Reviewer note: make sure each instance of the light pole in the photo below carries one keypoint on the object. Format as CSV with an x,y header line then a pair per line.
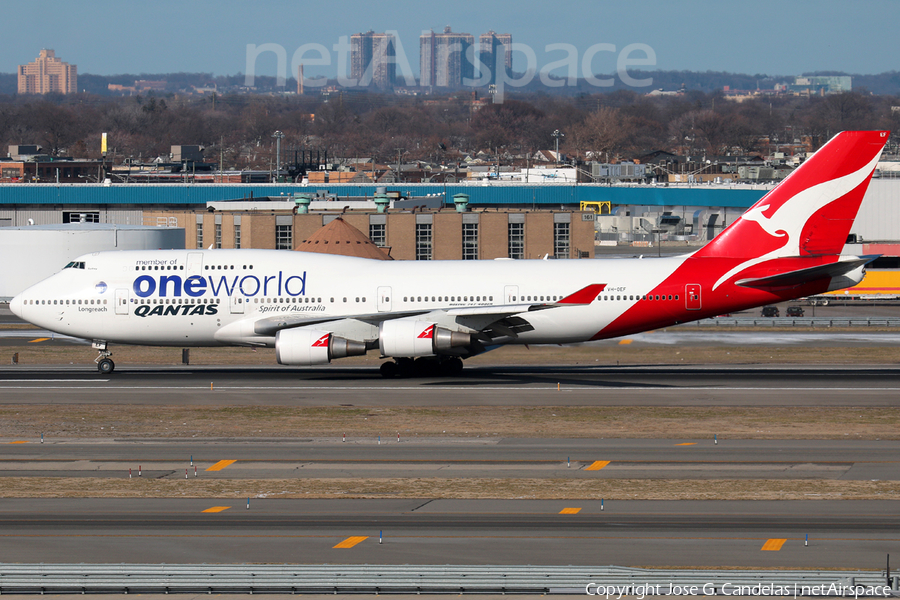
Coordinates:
x,y
278,137
556,135
399,150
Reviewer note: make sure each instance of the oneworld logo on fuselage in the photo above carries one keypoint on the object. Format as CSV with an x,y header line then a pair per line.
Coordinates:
x,y
195,286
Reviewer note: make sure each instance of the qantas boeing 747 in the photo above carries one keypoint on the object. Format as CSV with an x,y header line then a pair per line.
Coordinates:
x,y
428,316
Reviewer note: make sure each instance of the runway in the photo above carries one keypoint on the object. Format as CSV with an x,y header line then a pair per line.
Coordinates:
x,y
819,386
431,530
841,534
650,459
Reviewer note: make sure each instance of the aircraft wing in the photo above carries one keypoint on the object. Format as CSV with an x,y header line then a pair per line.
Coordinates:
x,y
475,317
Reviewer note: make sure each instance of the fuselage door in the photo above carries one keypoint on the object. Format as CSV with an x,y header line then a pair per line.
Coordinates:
x,y
692,296
384,299
237,303
511,294
122,301
194,264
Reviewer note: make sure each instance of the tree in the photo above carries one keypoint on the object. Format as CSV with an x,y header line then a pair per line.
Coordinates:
x,y
603,133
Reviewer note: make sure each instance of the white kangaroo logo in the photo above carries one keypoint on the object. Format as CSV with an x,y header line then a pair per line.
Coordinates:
x,y
756,215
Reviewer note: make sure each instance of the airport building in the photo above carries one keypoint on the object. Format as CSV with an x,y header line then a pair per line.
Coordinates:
x,y
602,219
59,244
404,234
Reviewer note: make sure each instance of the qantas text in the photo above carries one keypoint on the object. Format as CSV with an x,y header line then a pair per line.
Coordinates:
x,y
176,309
220,285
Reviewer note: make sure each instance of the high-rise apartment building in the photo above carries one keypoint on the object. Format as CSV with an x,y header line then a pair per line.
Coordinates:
x,y
48,74
445,59
491,44
373,59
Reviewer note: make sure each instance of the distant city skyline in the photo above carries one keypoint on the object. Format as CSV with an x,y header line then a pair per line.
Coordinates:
x,y
767,37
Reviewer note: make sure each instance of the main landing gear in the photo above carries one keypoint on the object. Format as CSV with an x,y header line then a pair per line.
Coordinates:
x,y
104,363
422,367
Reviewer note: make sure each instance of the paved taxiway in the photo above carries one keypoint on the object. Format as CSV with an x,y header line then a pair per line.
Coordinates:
x,y
467,458
478,386
686,533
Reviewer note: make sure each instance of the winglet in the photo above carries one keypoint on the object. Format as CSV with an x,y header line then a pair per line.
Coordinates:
x,y
585,295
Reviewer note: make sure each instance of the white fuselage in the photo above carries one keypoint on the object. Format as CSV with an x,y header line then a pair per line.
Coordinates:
x,y
215,297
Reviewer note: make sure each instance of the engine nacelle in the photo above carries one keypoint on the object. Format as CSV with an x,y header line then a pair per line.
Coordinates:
x,y
313,347
407,338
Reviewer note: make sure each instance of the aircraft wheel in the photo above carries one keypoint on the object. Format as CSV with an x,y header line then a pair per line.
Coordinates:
x,y
389,370
452,367
405,367
426,367
106,366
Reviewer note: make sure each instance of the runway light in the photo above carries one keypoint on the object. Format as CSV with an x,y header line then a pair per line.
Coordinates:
x,y
715,438
380,535
601,504
139,470
248,502
129,473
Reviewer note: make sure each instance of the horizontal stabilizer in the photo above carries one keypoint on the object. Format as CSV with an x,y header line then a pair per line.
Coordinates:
x,y
800,276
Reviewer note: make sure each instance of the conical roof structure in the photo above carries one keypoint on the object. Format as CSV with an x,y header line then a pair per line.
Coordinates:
x,y
339,237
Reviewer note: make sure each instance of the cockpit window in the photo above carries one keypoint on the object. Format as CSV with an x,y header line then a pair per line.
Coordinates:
x,y
74,265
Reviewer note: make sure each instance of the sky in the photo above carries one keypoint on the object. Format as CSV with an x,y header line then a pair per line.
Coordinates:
x,y
783,37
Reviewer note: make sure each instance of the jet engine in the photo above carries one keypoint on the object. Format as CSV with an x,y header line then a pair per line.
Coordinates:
x,y
407,338
312,347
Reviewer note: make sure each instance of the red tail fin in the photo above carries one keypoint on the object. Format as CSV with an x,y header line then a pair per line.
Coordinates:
x,y
810,212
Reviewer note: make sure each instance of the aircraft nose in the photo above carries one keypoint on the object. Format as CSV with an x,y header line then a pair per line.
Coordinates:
x,y
15,305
